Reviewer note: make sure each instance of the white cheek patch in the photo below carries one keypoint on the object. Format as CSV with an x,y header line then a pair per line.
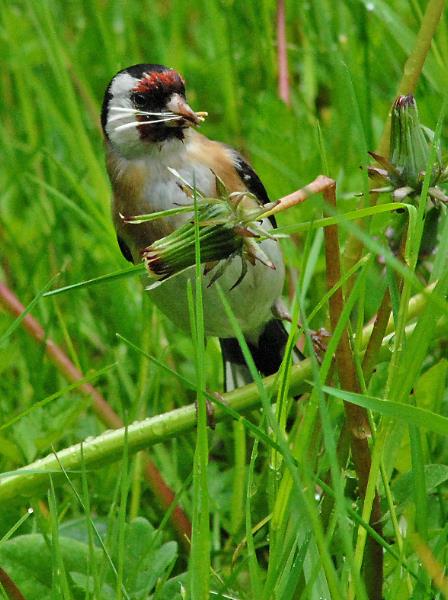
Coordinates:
x,y
120,90
122,84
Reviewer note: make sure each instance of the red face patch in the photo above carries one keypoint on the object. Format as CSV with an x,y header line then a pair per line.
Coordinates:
x,y
151,81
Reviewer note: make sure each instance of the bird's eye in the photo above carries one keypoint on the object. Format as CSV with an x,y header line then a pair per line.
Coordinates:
x,y
139,99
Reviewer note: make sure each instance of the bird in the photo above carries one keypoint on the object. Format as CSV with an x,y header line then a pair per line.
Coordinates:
x,y
151,134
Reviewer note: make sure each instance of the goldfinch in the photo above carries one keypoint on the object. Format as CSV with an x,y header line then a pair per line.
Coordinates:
x,y
149,131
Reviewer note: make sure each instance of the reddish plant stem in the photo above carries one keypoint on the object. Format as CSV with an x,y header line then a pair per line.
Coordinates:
x,y
357,420
103,410
282,55
10,587
376,338
381,322
356,416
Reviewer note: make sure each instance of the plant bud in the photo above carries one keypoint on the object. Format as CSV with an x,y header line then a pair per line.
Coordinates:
x,y
219,238
409,147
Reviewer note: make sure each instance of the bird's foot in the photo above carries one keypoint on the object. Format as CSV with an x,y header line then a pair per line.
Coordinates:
x,y
210,410
280,311
319,338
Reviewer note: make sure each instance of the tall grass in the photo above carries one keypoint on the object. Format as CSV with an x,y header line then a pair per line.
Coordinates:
x,y
279,517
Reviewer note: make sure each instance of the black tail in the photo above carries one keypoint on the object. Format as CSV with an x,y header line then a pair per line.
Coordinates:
x,y
267,354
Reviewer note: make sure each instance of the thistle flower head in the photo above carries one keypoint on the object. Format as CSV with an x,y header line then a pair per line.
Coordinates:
x,y
408,144
410,148
227,228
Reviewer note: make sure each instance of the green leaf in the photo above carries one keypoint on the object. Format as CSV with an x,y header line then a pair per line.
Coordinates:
x,y
52,397
27,560
173,589
430,387
85,583
38,430
28,309
435,475
121,274
410,414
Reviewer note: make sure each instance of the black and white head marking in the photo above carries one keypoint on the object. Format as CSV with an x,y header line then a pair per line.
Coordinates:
x,y
145,103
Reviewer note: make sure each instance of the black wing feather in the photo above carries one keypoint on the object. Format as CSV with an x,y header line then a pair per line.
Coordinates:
x,y
252,181
125,249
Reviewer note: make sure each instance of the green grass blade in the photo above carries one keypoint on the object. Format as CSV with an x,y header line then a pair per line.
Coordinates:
x,y
413,415
116,275
199,567
27,310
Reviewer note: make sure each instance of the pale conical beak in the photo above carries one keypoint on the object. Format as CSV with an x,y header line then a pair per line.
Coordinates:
x,y
179,106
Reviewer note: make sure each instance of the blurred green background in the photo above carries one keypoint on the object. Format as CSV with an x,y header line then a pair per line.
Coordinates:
x,y
345,58
345,62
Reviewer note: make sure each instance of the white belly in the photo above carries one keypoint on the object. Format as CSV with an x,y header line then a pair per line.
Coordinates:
x,y
251,300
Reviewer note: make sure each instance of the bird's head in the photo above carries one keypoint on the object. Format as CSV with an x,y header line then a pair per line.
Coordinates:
x,y
144,105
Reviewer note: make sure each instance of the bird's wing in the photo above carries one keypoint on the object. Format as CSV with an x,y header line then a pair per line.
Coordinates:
x,y
252,181
228,164
249,178
125,250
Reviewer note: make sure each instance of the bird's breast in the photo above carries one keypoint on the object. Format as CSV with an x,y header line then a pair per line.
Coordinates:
x,y
163,191
146,186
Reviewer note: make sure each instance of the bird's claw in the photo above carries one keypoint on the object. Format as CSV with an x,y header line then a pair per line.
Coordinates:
x,y
210,409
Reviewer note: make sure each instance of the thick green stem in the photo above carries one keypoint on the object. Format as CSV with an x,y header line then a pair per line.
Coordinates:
x,y
108,447
415,308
